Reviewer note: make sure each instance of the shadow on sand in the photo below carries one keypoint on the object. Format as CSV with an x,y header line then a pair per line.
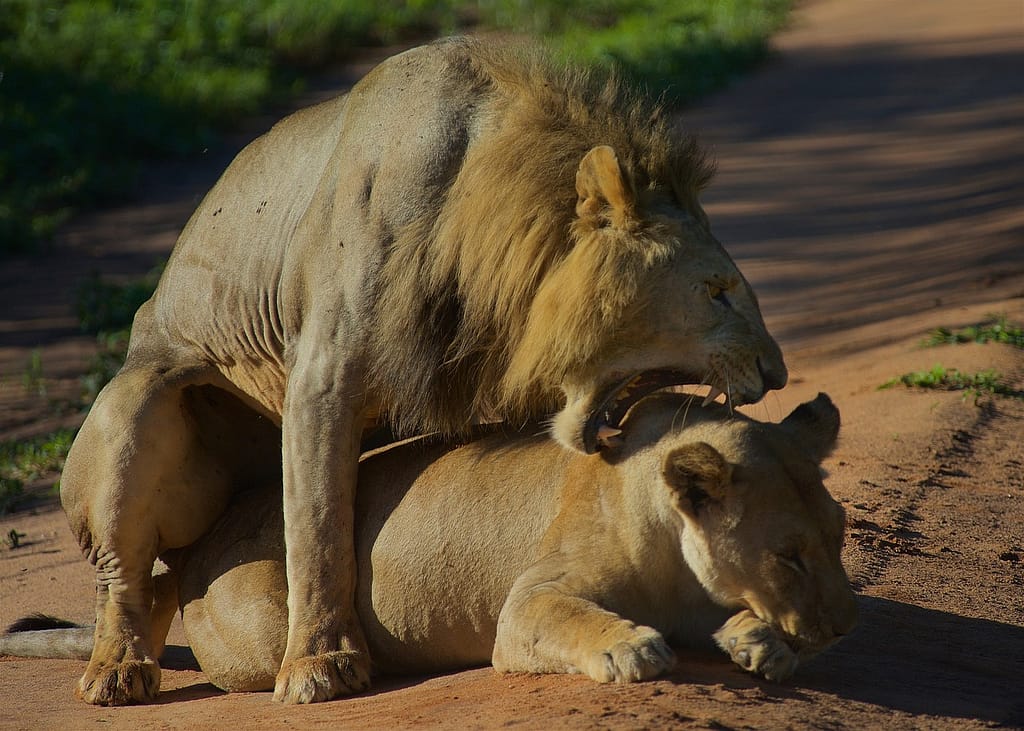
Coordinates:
x,y
909,659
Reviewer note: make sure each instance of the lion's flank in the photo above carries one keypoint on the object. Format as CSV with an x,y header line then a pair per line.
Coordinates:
x,y
454,337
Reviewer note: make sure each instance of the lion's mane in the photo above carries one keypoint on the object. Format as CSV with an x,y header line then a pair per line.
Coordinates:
x,y
454,315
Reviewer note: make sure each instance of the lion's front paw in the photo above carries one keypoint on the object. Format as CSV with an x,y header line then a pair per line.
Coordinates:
x,y
120,683
322,677
755,646
643,655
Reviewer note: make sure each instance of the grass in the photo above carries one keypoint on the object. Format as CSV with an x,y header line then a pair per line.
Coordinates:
x,y
105,310
110,355
11,493
996,330
13,538
93,89
32,379
685,48
105,307
26,460
986,382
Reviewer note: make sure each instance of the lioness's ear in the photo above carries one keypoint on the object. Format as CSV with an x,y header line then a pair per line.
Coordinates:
x,y
699,474
814,426
602,186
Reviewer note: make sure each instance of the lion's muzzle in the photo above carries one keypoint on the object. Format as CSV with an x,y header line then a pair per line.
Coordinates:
x,y
611,405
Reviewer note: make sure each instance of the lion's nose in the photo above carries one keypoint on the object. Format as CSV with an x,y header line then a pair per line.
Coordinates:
x,y
774,376
845,618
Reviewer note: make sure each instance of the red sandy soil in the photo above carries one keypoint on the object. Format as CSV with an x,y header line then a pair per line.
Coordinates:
x,y
870,187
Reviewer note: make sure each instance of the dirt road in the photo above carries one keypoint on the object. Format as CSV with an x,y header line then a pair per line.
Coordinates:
x,y
870,186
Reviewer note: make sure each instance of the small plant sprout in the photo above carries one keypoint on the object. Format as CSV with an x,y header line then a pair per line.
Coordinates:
x,y
986,382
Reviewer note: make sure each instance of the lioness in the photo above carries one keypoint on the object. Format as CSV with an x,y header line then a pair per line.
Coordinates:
x,y
517,551
467,234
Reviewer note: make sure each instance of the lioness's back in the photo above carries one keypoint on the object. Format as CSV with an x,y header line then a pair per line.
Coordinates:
x,y
442,533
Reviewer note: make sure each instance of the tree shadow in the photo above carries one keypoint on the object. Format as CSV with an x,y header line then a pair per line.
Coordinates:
x,y
924,661
902,657
179,657
194,692
871,173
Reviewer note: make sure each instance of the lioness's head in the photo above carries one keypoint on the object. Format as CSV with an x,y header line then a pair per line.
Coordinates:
x,y
758,527
646,298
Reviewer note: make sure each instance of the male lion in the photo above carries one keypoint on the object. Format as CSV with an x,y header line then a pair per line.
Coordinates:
x,y
468,234
520,552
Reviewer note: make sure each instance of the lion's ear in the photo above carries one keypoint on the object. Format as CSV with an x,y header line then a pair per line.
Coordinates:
x,y
603,187
698,474
814,426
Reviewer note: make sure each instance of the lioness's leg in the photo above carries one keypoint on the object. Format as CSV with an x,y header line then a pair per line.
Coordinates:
x,y
323,421
543,628
136,482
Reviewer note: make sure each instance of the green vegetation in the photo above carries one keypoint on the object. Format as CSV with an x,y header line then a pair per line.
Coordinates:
x,y
113,347
105,307
11,492
950,379
13,538
32,379
685,48
106,310
996,330
89,89
30,459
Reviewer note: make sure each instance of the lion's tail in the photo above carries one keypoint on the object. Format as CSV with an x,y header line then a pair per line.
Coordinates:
x,y
39,635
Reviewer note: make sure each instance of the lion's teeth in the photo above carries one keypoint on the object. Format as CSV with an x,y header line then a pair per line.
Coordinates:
x,y
712,395
608,436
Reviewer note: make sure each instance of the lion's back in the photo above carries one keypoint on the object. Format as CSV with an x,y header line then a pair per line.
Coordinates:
x,y
375,154
301,219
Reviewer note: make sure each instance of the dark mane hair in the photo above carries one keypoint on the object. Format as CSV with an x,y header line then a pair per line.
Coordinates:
x,y
454,303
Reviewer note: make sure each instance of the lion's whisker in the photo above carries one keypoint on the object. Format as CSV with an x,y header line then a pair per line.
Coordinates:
x,y
685,407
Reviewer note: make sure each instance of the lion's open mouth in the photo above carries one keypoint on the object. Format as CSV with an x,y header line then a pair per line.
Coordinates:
x,y
611,405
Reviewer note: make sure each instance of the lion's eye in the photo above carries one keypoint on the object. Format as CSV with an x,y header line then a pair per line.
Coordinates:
x,y
792,560
718,294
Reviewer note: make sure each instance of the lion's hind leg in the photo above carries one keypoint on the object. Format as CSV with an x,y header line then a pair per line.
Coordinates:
x,y
138,480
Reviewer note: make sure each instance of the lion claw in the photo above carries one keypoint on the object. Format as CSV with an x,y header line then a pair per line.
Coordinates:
x,y
120,684
643,656
322,677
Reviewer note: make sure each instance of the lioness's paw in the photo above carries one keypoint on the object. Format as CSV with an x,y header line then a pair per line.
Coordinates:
x,y
120,683
322,677
755,646
642,656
